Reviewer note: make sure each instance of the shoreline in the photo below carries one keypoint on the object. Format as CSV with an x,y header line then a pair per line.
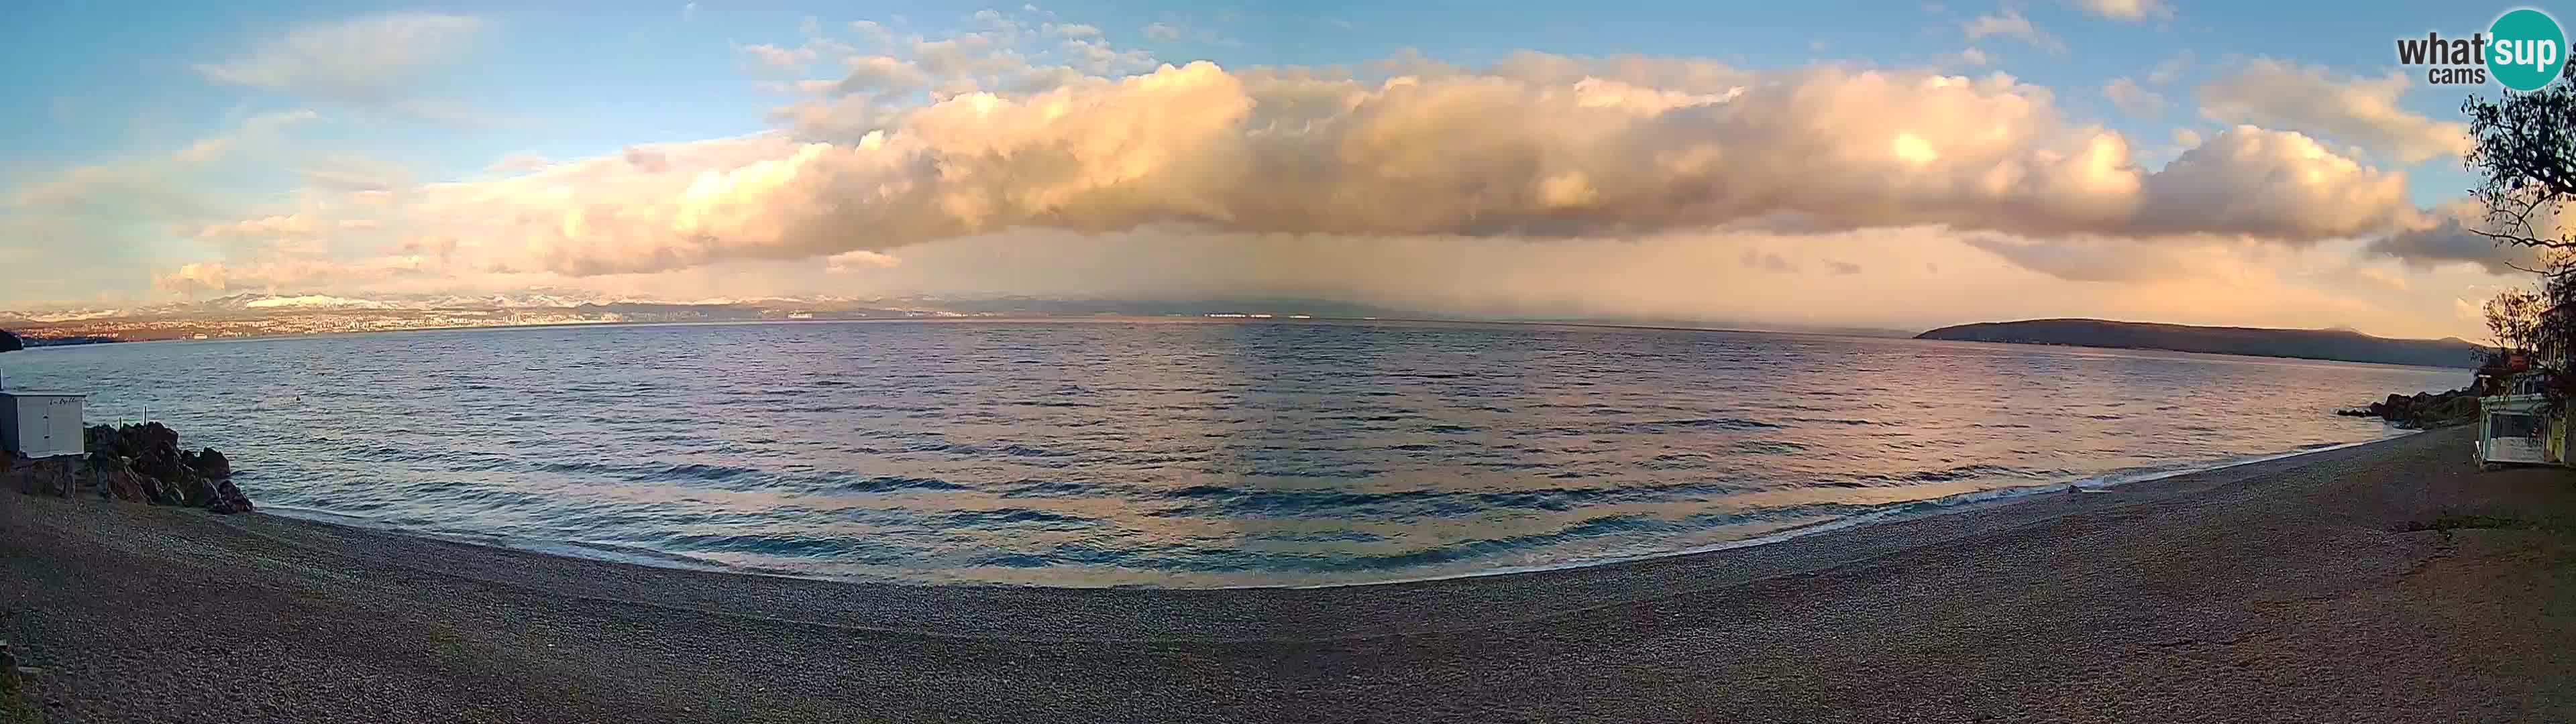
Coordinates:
x,y
1896,513
1891,513
1202,318
2326,586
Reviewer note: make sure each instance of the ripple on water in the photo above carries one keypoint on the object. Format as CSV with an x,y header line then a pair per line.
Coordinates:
x,y
1101,453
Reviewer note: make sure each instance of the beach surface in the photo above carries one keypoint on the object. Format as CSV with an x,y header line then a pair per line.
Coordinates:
x,y
2388,582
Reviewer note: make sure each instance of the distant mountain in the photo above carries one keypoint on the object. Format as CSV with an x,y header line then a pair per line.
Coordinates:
x,y
2324,344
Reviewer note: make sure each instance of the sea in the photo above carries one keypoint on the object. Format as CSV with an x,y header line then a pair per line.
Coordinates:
x,y
1182,452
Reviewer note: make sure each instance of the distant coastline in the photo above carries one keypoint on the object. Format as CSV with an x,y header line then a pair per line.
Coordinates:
x,y
2340,345
255,316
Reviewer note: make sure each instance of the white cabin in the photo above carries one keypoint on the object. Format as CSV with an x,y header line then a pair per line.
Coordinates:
x,y
42,424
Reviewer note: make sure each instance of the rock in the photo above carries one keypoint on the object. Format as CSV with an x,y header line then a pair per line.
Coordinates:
x,y
2423,409
144,463
228,499
209,463
59,476
114,479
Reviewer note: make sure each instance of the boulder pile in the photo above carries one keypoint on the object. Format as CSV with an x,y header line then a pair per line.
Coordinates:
x,y
2424,410
140,463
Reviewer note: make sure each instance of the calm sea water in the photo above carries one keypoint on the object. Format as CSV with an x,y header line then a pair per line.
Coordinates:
x,y
1180,453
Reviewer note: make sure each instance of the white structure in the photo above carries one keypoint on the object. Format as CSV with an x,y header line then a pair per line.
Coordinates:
x,y
41,424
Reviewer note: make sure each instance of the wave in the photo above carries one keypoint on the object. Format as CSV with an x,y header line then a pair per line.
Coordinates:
x,y
1881,514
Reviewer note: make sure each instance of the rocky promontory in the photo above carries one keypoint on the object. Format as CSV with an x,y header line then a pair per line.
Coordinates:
x,y
139,463
2423,410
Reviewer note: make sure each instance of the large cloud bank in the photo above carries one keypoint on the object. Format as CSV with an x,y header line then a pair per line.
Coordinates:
x,y
1522,151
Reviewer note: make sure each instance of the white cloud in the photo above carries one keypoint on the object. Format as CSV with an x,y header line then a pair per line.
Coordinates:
x,y
850,260
2127,10
881,73
2134,100
260,228
365,61
287,274
1161,32
2171,68
2249,180
2357,110
350,172
2012,24
518,161
1539,171
777,58
872,31
172,186
1284,151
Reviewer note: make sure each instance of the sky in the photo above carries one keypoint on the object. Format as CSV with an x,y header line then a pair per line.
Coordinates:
x,y
1897,165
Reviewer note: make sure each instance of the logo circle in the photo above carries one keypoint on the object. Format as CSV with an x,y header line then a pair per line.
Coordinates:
x,y
2525,49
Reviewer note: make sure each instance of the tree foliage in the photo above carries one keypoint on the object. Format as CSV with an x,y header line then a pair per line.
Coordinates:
x,y
2525,158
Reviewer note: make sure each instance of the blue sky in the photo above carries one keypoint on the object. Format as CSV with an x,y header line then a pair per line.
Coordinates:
x,y
398,118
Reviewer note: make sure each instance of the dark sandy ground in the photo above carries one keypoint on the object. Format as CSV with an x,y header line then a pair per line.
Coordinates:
x,y
2277,592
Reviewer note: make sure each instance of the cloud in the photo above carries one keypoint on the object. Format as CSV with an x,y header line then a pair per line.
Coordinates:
x,y
191,277
1921,277
2281,184
1550,175
260,228
881,74
2383,278
2171,68
365,61
1072,31
518,161
1767,261
647,160
777,58
348,172
171,186
2363,111
2134,100
850,260
2447,235
286,274
1516,151
2084,259
2012,24
1161,31
2126,10
872,31
438,246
